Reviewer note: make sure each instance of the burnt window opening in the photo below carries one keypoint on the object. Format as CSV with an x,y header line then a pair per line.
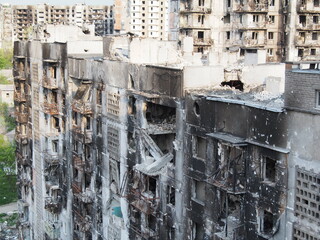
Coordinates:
x,y
88,152
56,124
314,36
313,51
99,126
269,169
316,3
53,71
199,147
87,180
313,66
152,185
201,19
75,118
131,82
200,49
228,3
227,19
131,142
54,98
135,216
315,19
303,20
318,99
300,52
88,123
198,190
267,222
196,108
159,114
164,142
99,96
152,222
171,195
228,35
132,105
201,3
170,233
55,146
197,231
237,84
201,35
254,35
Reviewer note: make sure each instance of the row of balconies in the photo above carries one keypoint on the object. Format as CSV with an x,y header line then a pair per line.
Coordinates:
x,y
196,9
250,6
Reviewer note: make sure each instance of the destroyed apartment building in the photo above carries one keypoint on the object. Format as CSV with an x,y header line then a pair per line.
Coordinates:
x,y
117,140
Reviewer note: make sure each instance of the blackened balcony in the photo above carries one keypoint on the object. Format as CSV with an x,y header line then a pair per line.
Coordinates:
x,y
51,158
22,117
50,108
53,204
19,96
49,82
84,108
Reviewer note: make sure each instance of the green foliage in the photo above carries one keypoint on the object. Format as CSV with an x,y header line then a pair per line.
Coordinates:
x,y
8,189
8,120
4,80
5,58
10,219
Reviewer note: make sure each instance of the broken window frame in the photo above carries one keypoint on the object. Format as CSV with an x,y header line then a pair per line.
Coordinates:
x,y
171,195
266,214
198,190
318,99
198,149
265,169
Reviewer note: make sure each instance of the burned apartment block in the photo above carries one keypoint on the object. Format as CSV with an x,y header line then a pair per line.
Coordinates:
x,y
122,145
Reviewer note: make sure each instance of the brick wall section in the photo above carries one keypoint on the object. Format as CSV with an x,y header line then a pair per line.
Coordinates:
x,y
300,89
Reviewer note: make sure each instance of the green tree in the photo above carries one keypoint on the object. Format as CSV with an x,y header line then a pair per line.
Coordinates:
x,y
7,156
5,113
5,58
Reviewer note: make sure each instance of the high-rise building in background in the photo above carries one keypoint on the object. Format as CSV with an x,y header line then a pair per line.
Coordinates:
x,y
17,21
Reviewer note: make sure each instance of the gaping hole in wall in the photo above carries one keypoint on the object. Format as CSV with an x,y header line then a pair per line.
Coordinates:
x,y
198,190
152,222
196,108
164,142
131,142
131,82
269,169
171,195
199,147
159,114
267,222
237,84
132,105
197,231
151,185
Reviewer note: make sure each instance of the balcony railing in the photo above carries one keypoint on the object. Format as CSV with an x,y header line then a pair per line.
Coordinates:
x,y
22,117
19,96
50,108
51,157
82,107
50,83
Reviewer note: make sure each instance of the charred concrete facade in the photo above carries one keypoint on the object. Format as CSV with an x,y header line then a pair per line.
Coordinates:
x,y
113,149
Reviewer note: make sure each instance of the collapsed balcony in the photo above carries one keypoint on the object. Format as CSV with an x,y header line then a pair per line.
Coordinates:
x,y
82,107
229,175
53,204
82,100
